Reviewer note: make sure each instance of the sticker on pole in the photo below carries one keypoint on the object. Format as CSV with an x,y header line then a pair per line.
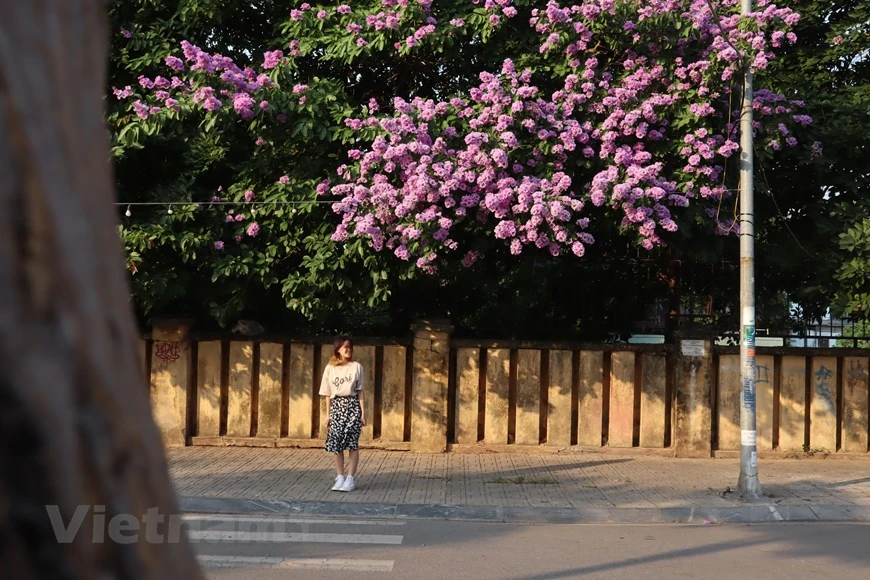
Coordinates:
x,y
753,459
747,438
749,336
748,397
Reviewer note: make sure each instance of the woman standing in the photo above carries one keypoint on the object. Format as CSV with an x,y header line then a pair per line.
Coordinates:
x,y
342,383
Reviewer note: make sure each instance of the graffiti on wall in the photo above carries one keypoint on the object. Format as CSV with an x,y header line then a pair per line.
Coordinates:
x,y
823,386
167,351
856,375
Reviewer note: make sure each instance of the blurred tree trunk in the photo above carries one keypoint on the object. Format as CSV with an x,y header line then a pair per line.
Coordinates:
x,y
75,422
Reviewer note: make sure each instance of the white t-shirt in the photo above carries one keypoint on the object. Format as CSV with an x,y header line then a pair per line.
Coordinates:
x,y
341,380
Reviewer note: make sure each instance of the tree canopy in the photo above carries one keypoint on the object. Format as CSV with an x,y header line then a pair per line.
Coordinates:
x,y
510,164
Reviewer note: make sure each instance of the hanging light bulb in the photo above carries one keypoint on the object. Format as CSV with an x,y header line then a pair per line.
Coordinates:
x,y
128,213
169,211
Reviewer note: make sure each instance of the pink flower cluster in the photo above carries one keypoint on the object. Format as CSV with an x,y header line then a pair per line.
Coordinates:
x,y
251,228
416,184
531,168
766,103
413,18
238,86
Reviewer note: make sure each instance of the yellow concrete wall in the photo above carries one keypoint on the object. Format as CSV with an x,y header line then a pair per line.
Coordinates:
x,y
468,388
301,378
693,411
621,425
365,355
590,399
393,393
792,403
497,392
208,388
170,365
325,355
240,389
170,374
728,402
559,398
855,411
528,397
429,386
652,401
271,375
764,402
823,404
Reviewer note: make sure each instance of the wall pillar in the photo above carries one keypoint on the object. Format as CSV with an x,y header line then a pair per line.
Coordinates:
x,y
693,398
429,385
170,379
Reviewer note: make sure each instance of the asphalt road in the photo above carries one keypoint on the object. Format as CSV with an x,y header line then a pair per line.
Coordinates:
x,y
272,547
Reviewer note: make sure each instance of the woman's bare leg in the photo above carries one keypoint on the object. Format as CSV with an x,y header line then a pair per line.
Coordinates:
x,y
353,460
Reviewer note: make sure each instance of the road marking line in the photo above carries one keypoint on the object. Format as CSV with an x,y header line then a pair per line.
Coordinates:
x,y
240,536
298,563
279,520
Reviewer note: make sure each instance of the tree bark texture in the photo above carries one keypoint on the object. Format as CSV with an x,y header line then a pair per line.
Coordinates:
x,y
75,421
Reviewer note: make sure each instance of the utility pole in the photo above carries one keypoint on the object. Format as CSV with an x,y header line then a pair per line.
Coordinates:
x,y
748,485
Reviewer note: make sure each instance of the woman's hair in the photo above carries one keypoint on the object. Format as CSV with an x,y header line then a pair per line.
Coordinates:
x,y
339,341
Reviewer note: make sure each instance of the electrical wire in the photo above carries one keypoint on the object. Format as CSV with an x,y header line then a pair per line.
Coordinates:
x,y
779,211
198,203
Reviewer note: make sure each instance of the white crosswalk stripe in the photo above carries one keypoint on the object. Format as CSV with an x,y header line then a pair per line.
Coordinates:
x,y
296,563
209,531
282,520
256,536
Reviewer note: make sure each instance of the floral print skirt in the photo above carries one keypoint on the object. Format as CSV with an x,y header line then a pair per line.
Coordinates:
x,y
345,424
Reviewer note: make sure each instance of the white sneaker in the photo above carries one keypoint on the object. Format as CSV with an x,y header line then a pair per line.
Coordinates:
x,y
339,483
348,484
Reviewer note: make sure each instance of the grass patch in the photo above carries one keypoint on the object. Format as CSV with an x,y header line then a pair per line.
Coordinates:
x,y
811,451
807,451
523,480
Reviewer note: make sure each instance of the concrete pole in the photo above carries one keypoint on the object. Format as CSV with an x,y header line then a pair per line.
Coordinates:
x,y
748,485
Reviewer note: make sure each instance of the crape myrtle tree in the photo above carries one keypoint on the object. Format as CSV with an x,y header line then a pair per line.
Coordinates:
x,y
423,151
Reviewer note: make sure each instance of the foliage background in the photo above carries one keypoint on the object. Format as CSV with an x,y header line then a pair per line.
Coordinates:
x,y
294,278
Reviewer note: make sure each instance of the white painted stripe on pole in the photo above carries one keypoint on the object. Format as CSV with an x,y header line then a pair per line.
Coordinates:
x,y
279,520
296,563
239,536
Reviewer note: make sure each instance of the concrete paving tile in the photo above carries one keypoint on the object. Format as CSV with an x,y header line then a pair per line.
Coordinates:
x,y
798,489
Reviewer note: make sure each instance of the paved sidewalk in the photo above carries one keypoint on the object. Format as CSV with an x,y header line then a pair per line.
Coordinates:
x,y
570,486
